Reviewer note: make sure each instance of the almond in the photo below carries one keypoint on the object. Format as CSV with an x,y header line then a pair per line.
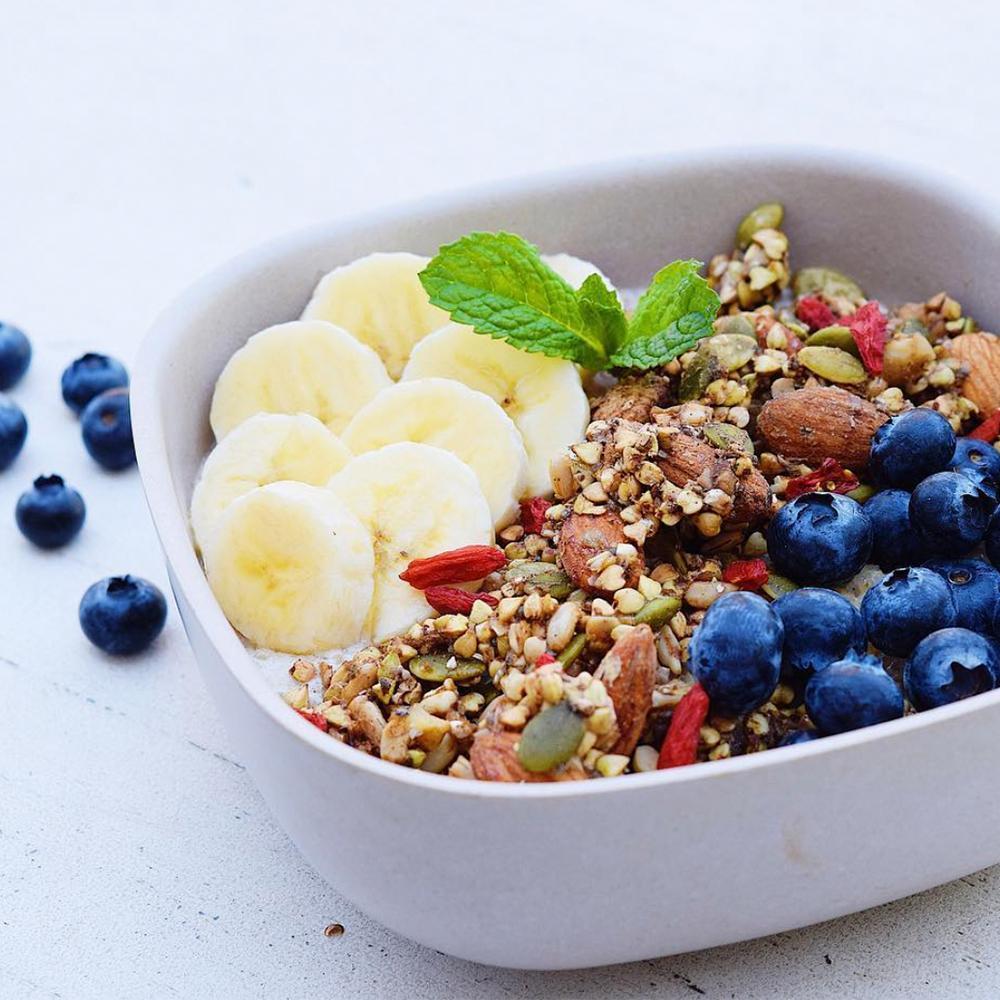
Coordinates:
x,y
628,672
493,756
633,398
584,536
688,458
981,353
813,424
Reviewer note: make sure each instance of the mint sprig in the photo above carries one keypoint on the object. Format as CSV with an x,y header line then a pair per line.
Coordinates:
x,y
498,284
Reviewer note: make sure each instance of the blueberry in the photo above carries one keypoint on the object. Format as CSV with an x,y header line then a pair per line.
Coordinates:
x,y
89,376
15,355
910,448
950,513
799,736
819,538
735,652
122,614
905,607
993,540
820,627
851,694
975,589
895,543
979,458
106,426
950,665
13,431
51,513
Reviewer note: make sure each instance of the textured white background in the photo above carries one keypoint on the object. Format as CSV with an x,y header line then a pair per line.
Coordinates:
x,y
142,143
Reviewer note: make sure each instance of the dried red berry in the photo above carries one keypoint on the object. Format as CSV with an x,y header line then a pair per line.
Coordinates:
x,y
830,477
815,313
315,718
868,327
472,562
452,601
989,429
533,514
747,574
544,659
680,745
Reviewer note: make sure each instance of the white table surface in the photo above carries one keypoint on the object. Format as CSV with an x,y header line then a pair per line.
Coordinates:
x,y
142,143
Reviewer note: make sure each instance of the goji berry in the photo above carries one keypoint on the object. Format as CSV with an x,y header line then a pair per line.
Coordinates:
x,y
830,477
989,429
533,514
315,718
472,562
452,601
747,574
815,313
680,745
544,659
868,327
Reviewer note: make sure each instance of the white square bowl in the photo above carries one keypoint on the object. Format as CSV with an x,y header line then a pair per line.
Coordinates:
x,y
588,873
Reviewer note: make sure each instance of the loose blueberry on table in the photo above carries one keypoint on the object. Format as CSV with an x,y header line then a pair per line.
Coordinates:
x,y
15,355
51,513
769,490
90,375
122,615
13,431
106,427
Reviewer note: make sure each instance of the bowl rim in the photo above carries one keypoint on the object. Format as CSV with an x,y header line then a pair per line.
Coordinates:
x,y
170,519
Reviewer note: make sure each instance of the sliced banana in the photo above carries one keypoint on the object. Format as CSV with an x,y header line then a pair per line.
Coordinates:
x,y
543,396
574,270
291,567
450,415
266,448
379,299
417,501
307,366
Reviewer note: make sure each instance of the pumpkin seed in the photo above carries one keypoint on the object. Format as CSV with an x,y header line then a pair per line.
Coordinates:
x,y
862,493
737,324
834,336
827,282
833,364
576,646
778,585
704,369
729,438
657,612
550,738
766,216
733,350
436,668
543,575
915,326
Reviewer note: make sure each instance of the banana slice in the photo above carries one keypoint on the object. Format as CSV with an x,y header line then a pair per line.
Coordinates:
x,y
575,270
449,415
291,566
266,448
300,367
379,299
543,396
417,501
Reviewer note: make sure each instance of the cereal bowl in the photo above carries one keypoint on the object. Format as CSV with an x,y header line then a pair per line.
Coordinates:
x,y
567,875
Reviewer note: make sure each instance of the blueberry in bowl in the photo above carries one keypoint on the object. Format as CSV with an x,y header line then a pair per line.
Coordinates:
x,y
950,665
851,694
993,540
122,615
821,626
51,513
735,654
106,427
820,538
88,376
950,513
13,431
977,457
894,542
910,448
906,607
975,589
15,355
799,736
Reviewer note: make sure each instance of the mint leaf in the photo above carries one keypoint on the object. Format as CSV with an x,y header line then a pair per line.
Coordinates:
x,y
674,313
498,284
602,312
